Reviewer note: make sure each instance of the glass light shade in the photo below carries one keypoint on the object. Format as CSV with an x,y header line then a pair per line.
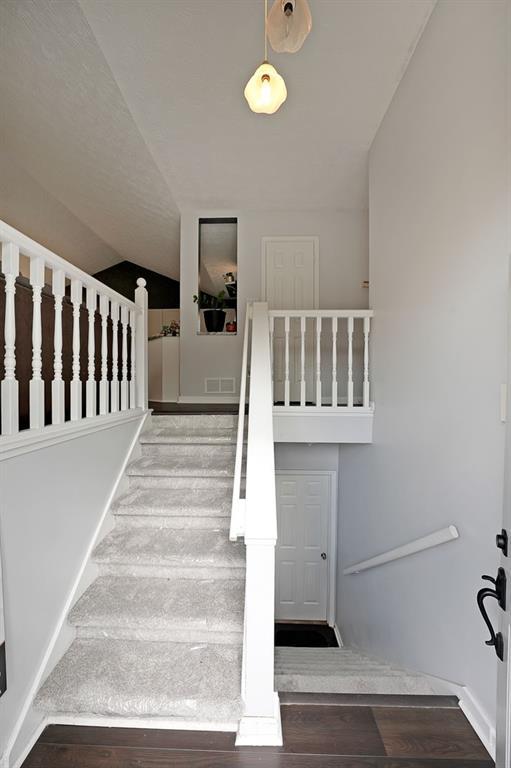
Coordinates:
x,y
266,90
288,24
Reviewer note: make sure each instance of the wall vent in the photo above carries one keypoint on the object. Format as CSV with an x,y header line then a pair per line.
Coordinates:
x,y
220,386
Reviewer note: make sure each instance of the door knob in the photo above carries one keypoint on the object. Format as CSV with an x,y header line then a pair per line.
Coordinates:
x,y
499,593
323,555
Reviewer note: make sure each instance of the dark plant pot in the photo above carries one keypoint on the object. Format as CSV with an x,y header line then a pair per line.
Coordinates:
x,y
214,320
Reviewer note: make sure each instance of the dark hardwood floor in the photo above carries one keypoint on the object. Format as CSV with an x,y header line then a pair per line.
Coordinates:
x,y
315,736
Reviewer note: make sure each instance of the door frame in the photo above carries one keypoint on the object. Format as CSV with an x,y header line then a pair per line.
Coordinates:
x,y
332,535
314,239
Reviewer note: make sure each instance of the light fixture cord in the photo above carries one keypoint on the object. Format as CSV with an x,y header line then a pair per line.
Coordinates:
x,y
265,36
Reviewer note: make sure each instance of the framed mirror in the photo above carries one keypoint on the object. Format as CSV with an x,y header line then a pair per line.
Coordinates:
x,y
217,296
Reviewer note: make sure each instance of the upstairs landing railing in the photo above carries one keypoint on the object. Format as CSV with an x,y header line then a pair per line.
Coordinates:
x,y
74,348
320,358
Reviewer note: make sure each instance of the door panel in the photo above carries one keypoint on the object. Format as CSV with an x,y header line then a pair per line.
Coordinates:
x,y
290,269
303,511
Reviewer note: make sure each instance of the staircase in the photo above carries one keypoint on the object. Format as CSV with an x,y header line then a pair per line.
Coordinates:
x,y
342,670
159,632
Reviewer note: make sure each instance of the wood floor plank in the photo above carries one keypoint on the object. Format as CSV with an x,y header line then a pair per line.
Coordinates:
x,y
80,756
138,737
431,733
331,730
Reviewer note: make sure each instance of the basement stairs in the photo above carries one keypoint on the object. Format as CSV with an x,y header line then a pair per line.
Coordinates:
x,y
159,632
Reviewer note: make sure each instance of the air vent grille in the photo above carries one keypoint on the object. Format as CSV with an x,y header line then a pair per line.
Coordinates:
x,y
220,386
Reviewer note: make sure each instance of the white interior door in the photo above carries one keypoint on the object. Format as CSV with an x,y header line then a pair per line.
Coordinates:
x,y
290,269
302,565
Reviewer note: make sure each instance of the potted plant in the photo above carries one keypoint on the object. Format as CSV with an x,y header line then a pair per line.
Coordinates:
x,y
213,308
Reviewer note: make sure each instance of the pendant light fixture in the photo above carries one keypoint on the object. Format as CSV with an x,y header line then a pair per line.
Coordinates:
x,y
289,22
266,90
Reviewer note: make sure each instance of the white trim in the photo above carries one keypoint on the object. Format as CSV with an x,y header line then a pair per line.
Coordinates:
x,y
338,636
477,718
332,535
322,425
261,731
355,313
29,746
215,399
295,239
33,440
442,536
165,723
34,250
36,682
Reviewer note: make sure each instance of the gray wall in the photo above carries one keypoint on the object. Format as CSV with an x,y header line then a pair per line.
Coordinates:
x,y
438,272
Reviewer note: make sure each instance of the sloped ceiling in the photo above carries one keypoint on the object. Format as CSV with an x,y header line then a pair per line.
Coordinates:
x,y
127,111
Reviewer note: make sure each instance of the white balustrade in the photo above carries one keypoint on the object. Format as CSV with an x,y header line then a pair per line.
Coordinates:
x,y
57,385
114,395
36,387
10,268
90,387
339,379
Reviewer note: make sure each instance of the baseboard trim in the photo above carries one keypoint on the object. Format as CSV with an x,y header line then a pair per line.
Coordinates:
x,y
337,634
211,399
256,731
478,719
31,742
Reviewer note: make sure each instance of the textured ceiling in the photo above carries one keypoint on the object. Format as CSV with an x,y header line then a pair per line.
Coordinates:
x,y
127,110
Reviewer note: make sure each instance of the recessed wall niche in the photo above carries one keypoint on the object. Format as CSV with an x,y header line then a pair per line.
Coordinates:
x,y
217,296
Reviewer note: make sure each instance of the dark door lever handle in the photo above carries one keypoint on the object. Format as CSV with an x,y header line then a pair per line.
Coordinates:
x,y
499,593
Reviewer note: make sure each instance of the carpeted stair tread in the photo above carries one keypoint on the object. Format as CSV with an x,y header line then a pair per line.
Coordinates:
x,y
159,606
168,546
342,670
200,502
182,466
192,435
131,678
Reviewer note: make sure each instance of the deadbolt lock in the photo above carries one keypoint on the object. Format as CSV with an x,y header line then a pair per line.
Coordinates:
x,y
323,555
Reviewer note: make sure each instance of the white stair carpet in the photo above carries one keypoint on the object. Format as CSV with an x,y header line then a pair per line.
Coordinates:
x,y
342,670
159,633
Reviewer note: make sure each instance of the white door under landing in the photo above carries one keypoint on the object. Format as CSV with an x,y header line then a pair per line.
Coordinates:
x,y
302,565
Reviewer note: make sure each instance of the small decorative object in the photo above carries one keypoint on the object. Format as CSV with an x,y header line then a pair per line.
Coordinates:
x,y
231,327
173,329
266,89
213,308
288,24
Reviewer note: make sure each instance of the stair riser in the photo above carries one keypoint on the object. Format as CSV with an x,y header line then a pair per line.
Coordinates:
x,y
373,684
172,572
175,521
151,481
169,635
195,421
196,453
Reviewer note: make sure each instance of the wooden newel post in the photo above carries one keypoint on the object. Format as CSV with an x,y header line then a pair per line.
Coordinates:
x,y
141,343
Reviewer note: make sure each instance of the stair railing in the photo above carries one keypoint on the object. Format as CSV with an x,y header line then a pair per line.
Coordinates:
x,y
260,722
238,502
106,349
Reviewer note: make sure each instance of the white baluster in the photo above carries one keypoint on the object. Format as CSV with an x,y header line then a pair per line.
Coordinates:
x,y
286,373
57,385
103,382
114,384
36,386
303,330
334,362
124,379
272,357
133,371
76,384
367,322
90,387
141,343
9,387
350,362
318,362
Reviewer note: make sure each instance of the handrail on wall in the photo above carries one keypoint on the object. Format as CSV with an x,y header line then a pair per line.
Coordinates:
x,y
442,536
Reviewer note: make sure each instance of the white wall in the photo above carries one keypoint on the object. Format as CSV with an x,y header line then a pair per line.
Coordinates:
x,y
343,257
438,272
52,500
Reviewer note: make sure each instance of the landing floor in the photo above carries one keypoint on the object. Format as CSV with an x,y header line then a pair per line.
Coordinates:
x,y
315,736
